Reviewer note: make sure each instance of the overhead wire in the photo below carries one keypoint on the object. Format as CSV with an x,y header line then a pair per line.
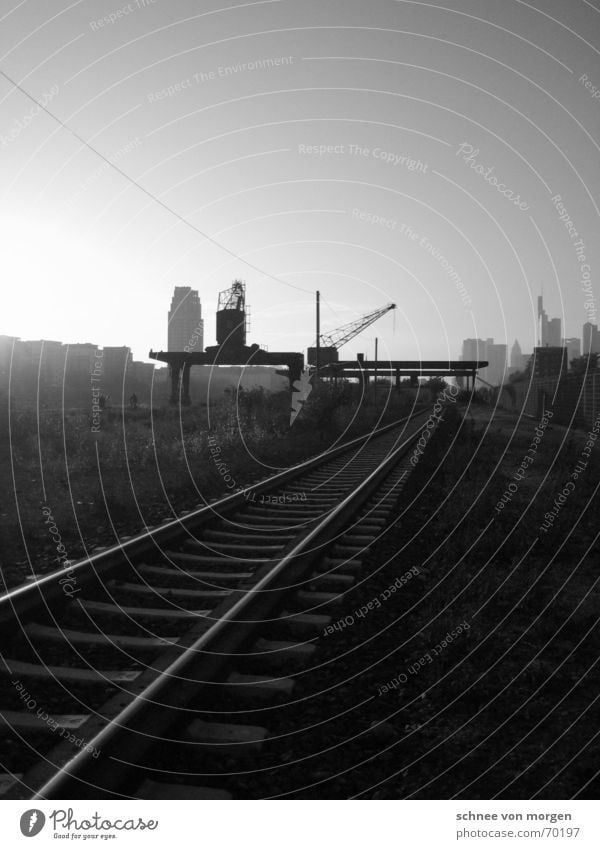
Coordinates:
x,y
148,193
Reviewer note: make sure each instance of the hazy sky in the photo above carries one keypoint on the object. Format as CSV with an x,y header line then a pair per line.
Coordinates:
x,y
333,145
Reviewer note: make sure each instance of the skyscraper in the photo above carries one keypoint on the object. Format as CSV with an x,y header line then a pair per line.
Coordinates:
x,y
591,339
550,329
495,354
516,355
549,361
573,346
554,333
473,349
186,327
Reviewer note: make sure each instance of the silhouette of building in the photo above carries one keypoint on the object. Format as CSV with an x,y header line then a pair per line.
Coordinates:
x,y
80,359
591,339
549,361
573,346
7,354
494,353
473,349
186,327
516,355
550,329
52,373
116,366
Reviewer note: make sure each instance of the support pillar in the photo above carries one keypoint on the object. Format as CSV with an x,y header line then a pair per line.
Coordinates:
x,y
185,385
361,379
175,370
180,383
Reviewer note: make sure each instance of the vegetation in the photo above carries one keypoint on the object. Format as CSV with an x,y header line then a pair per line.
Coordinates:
x,y
477,678
503,710
143,466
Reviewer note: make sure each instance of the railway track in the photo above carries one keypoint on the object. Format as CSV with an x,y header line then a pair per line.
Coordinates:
x,y
159,636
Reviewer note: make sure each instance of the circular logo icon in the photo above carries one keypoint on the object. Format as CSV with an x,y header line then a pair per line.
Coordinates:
x,y
32,822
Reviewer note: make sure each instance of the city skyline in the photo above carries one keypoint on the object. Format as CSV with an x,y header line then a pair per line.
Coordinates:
x,y
588,342
259,142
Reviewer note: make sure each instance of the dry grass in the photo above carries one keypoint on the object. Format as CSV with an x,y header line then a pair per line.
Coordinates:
x,y
147,465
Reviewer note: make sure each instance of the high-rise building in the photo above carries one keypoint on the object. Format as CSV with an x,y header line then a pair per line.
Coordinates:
x,y
573,346
549,361
116,364
591,339
516,355
554,333
80,359
473,349
186,327
496,355
550,329
7,352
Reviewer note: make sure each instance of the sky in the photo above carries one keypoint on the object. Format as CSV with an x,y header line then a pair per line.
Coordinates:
x,y
440,156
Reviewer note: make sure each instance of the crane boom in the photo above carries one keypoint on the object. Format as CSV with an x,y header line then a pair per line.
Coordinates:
x,y
344,334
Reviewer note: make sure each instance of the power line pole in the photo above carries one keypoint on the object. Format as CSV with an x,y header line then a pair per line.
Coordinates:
x,y
318,345
375,376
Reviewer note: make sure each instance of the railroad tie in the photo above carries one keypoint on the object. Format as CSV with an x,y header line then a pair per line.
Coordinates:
x,y
250,689
303,624
69,674
186,792
235,741
280,654
28,721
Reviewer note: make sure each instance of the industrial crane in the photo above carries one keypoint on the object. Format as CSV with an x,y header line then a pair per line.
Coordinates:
x,y
331,342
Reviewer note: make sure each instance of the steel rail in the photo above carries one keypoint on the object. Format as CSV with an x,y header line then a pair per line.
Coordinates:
x,y
47,588
125,732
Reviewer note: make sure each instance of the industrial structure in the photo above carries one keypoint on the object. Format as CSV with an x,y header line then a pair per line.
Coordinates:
x,y
232,317
330,343
231,348
363,370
